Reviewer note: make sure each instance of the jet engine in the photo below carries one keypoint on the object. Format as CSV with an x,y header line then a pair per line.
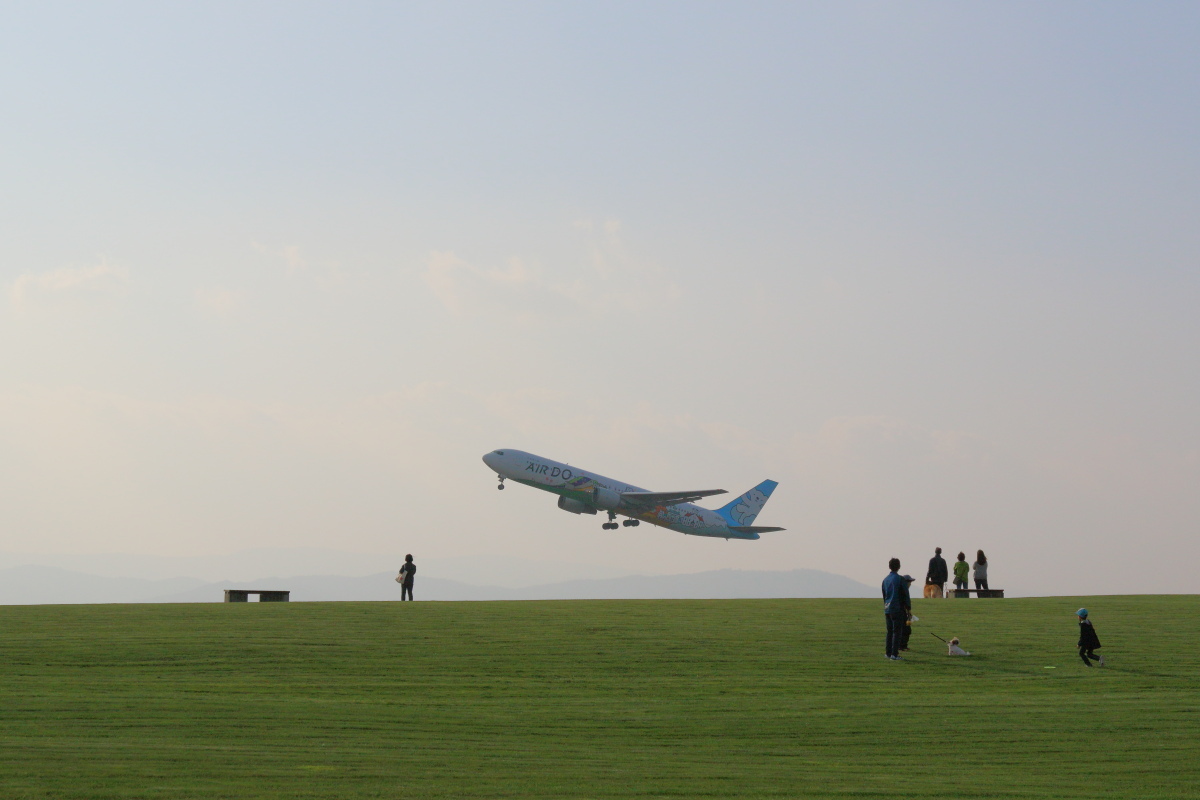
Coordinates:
x,y
605,498
575,506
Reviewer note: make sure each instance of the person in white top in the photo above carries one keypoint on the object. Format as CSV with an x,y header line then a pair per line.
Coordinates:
x,y
980,567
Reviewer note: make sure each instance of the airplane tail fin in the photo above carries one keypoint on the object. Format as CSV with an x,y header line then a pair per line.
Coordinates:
x,y
742,511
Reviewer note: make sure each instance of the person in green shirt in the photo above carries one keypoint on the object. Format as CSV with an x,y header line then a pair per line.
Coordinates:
x,y
961,568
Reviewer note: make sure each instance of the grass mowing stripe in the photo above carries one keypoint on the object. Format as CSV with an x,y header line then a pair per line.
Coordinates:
x,y
755,698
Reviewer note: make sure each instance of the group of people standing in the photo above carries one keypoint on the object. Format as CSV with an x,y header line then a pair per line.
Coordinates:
x,y
897,605
897,602
938,573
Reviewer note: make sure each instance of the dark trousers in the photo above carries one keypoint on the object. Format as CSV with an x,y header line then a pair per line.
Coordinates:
x,y
895,632
960,584
1087,653
981,583
405,588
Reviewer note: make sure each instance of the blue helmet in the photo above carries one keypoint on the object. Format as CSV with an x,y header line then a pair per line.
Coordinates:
x,y
1081,613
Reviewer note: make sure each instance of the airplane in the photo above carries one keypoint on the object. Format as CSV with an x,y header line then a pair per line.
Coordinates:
x,y
583,492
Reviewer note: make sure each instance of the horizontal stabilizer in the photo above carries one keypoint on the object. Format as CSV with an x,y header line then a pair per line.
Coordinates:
x,y
755,528
650,499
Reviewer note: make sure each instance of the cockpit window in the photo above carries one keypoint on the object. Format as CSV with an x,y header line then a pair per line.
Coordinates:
x,y
499,452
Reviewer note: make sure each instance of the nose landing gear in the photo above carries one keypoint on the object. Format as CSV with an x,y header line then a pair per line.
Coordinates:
x,y
501,486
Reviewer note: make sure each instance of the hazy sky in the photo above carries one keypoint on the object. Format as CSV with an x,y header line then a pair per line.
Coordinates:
x,y
280,273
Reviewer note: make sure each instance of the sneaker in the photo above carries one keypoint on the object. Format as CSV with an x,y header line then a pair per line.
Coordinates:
x,y
1102,661
897,658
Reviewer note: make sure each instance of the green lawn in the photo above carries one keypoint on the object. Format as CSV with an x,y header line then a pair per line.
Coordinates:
x,y
747,698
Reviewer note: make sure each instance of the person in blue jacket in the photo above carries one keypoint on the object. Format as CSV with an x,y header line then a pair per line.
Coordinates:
x,y
896,607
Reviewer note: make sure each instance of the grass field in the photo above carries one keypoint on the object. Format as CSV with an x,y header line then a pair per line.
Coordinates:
x,y
747,698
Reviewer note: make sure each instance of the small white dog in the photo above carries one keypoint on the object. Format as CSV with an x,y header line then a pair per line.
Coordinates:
x,y
955,650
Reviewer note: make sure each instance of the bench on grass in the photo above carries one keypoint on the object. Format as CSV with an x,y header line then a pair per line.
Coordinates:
x,y
980,592
264,595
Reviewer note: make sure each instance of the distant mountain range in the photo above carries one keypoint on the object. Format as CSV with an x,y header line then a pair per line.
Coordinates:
x,y
490,569
34,584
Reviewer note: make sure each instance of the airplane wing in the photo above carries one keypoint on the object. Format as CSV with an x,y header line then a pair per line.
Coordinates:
x,y
651,499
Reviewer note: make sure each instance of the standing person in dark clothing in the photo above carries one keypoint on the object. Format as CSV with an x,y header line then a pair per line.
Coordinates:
x,y
1088,640
980,567
906,632
896,605
937,575
407,573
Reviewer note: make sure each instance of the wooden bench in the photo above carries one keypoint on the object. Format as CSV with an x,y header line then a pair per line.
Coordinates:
x,y
264,595
980,592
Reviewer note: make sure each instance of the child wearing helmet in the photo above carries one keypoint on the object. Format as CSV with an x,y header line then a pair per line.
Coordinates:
x,y
1088,640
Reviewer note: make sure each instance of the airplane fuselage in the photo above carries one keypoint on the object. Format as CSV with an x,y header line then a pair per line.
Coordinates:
x,y
584,492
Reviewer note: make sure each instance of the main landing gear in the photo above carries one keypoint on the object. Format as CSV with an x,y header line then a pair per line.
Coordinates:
x,y
611,525
501,486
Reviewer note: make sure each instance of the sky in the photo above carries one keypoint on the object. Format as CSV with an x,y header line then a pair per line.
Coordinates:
x,y
278,274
